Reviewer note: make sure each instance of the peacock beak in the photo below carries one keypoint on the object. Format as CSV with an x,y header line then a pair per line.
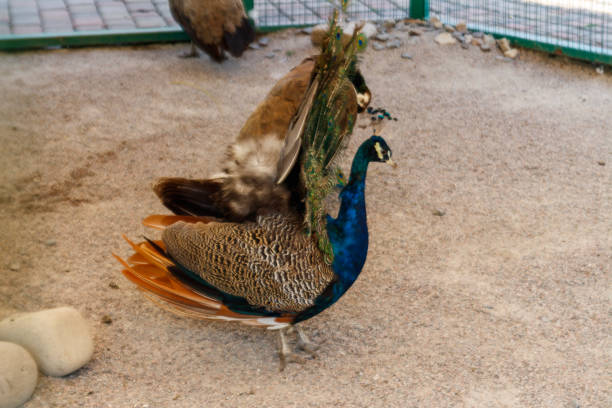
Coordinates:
x,y
392,163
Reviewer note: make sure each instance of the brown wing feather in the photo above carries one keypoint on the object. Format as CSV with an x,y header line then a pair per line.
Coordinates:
x,y
271,262
273,115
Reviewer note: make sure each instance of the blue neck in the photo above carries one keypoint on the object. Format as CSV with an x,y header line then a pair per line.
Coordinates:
x,y
348,233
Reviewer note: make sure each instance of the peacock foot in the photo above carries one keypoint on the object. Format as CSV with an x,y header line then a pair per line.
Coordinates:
x,y
303,343
192,53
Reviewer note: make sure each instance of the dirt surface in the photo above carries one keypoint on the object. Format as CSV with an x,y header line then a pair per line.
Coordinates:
x,y
502,301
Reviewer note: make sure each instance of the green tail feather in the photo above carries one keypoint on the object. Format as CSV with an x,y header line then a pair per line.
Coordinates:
x,y
327,128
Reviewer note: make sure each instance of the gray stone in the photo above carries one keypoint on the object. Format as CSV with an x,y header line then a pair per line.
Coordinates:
x,y
467,38
489,40
306,30
14,266
449,28
18,375
406,56
270,55
264,41
59,339
254,46
465,45
458,35
478,34
485,47
389,24
438,25
378,46
445,39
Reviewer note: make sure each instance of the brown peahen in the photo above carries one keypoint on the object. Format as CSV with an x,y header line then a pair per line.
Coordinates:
x,y
292,261
214,26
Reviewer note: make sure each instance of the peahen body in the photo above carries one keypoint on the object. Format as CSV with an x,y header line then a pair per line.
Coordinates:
x,y
215,26
290,261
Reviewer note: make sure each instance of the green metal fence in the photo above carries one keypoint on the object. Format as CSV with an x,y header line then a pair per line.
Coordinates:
x,y
577,28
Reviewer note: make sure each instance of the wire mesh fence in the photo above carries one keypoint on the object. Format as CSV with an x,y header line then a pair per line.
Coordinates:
x,y
282,13
577,24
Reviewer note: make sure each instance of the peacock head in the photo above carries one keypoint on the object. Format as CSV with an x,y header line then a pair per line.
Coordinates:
x,y
379,151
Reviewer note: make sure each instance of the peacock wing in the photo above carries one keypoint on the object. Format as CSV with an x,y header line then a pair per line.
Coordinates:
x,y
267,265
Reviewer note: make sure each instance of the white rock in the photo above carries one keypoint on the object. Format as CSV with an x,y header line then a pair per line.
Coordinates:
x,y
59,339
18,375
368,30
489,40
445,39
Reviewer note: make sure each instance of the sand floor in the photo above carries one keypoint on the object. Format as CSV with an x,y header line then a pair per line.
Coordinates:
x,y
504,301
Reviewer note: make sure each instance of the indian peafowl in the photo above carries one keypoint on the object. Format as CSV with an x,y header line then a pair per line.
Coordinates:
x,y
291,261
214,26
244,187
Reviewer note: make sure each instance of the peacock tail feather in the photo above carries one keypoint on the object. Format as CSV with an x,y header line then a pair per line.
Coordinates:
x,y
330,121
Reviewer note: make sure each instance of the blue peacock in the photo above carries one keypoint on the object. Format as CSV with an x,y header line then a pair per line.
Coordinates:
x,y
291,260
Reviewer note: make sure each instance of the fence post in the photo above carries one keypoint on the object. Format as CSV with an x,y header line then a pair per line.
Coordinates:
x,y
419,9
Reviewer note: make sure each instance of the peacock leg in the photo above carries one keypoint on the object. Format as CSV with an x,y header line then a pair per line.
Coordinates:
x,y
305,344
193,53
285,353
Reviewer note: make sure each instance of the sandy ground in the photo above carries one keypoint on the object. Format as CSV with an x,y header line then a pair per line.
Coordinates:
x,y
504,301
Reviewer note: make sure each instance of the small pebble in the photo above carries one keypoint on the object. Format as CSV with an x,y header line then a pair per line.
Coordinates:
x,y
465,45
504,44
485,47
449,28
378,46
468,38
18,375
307,30
445,39
113,285
50,242
406,56
478,34
438,25
415,31
395,43
461,26
382,37
264,41
270,55
254,46
476,42
438,213
59,339
601,163
106,319
389,24
14,267
458,35
599,70
512,53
